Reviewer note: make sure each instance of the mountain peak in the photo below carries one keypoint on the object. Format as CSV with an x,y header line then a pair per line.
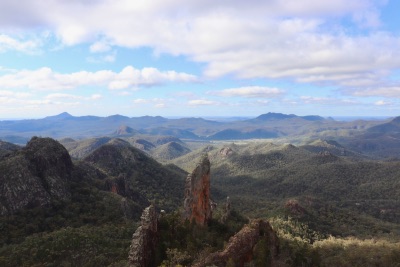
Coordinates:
x,y
63,115
275,116
281,116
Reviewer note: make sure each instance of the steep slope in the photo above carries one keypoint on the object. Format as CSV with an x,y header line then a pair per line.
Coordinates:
x,y
34,176
141,144
330,146
138,177
80,149
169,151
83,209
381,140
124,130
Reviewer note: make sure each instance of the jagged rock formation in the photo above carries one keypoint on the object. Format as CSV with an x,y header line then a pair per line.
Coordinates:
x,y
197,203
242,247
226,151
144,240
34,175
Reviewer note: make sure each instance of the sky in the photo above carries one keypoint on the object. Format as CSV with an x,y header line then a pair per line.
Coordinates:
x,y
199,58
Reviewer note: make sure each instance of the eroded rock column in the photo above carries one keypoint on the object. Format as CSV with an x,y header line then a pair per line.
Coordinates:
x,y
197,203
144,240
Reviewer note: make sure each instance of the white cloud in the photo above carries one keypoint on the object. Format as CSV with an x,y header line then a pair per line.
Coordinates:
x,y
160,105
62,96
154,102
100,47
96,96
383,103
108,58
124,93
67,97
8,43
249,91
328,101
388,91
131,77
140,101
7,93
202,102
48,80
296,39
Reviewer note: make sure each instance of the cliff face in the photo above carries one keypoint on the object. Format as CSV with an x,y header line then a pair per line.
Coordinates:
x,y
34,175
144,240
242,247
197,203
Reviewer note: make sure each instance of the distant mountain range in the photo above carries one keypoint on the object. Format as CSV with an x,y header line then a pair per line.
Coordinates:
x,y
66,125
375,136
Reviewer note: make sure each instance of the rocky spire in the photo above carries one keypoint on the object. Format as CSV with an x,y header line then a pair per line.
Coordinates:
x,y
197,203
144,240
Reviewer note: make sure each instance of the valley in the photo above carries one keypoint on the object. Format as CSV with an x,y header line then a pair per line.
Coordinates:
x,y
321,184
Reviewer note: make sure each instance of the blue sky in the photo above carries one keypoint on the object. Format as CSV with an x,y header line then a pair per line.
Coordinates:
x,y
199,58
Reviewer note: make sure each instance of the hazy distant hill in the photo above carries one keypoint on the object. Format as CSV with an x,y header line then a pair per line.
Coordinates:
x,y
232,134
382,140
376,138
269,125
124,130
81,148
270,116
330,146
389,128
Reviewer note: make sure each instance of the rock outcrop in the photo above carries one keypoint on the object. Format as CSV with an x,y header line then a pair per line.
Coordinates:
x,y
197,203
144,240
255,237
226,151
34,175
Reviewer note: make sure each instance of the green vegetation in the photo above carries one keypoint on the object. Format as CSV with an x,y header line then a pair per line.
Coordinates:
x,y
330,206
105,245
181,242
301,246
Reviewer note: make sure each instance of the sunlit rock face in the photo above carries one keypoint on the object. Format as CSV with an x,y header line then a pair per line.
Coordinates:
x,y
197,203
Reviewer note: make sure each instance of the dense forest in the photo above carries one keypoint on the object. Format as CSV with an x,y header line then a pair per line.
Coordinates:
x,y
327,204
